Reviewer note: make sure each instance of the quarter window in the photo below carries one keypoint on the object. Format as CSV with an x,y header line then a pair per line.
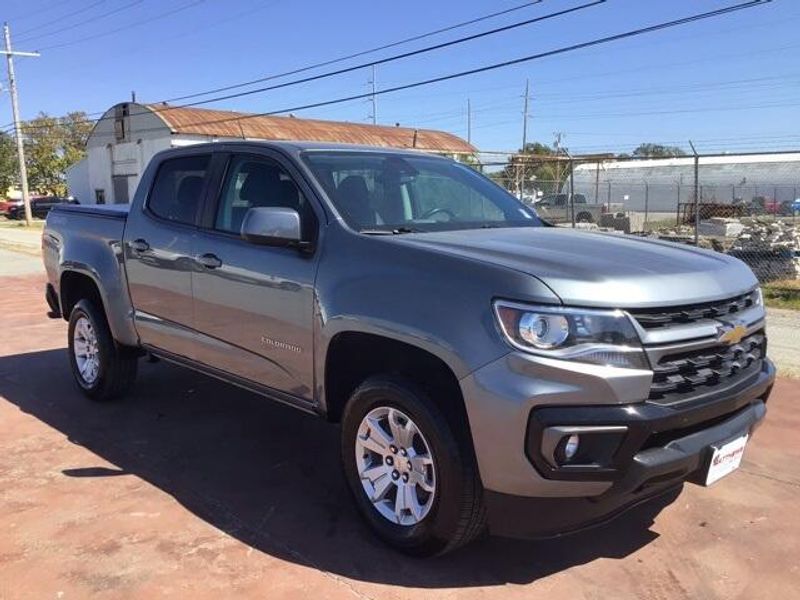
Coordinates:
x,y
176,193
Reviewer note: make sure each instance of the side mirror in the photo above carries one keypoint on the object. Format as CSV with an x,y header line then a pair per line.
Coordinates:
x,y
272,226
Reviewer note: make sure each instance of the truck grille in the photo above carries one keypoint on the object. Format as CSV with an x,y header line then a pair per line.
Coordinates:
x,y
679,376
652,319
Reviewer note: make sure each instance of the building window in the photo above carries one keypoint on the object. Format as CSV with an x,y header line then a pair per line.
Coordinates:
x,y
121,118
100,196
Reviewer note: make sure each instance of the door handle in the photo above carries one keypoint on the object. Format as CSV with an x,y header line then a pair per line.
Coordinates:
x,y
139,245
209,261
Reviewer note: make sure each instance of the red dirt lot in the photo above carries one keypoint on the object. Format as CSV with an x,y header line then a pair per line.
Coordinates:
x,y
193,489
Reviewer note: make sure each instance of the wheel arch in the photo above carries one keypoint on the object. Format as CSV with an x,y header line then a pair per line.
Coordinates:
x,y
352,356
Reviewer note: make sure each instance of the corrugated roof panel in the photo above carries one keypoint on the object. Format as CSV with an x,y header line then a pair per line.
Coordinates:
x,y
223,123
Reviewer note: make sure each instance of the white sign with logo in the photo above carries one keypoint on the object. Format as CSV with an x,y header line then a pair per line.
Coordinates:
x,y
726,459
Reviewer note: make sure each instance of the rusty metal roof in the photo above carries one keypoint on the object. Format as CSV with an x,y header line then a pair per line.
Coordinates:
x,y
229,124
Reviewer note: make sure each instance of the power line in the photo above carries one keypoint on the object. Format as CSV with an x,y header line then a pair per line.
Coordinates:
x,y
343,58
403,55
128,26
326,63
60,19
390,58
38,12
503,64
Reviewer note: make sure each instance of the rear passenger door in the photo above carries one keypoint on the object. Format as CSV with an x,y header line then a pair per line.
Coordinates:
x,y
254,305
159,242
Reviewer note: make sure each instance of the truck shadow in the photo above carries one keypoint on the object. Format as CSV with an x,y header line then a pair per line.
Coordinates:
x,y
269,476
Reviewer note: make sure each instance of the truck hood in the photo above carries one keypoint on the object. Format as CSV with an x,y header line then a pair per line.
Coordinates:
x,y
597,269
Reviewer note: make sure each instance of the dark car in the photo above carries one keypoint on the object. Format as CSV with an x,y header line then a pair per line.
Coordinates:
x,y
40,206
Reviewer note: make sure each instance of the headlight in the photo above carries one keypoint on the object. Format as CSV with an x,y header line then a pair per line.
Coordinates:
x,y
602,337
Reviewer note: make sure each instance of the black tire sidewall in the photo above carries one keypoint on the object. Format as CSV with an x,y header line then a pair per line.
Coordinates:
x,y
438,527
105,344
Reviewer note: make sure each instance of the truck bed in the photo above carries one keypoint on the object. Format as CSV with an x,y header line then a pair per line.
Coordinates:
x,y
114,211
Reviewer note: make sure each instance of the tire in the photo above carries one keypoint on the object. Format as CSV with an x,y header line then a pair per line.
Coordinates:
x,y
585,217
115,369
453,513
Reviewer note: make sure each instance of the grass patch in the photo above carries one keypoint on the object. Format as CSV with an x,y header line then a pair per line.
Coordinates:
x,y
9,224
783,294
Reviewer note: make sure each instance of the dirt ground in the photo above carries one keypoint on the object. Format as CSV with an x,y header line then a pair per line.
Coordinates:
x,y
193,489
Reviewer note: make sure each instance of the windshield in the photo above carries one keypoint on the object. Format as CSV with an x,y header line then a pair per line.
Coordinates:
x,y
377,192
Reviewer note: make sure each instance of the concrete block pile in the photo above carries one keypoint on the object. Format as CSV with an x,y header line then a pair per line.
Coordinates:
x,y
770,248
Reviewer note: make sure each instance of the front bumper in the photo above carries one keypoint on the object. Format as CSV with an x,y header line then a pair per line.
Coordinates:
x,y
663,447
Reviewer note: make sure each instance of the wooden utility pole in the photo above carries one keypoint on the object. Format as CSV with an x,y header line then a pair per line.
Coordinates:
x,y
696,194
469,122
525,117
521,168
374,98
12,85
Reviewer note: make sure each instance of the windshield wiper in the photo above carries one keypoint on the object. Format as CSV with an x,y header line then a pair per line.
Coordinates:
x,y
395,231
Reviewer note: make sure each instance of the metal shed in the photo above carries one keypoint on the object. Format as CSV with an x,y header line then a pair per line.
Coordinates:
x,y
129,134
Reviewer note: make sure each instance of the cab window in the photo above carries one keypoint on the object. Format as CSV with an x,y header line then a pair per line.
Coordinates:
x,y
177,190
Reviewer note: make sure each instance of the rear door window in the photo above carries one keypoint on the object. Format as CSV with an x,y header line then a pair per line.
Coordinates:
x,y
178,188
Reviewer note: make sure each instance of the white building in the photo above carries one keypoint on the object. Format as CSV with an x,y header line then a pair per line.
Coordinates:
x,y
664,182
127,136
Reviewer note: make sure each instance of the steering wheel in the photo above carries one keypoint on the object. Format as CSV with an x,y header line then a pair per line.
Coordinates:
x,y
438,210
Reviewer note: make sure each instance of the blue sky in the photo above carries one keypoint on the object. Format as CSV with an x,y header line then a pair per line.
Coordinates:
x,y
731,83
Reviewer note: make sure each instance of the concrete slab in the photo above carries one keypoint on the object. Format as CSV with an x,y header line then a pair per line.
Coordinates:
x,y
18,263
191,488
783,328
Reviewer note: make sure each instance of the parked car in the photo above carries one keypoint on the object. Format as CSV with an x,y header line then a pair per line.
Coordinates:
x,y
40,206
486,369
7,205
556,208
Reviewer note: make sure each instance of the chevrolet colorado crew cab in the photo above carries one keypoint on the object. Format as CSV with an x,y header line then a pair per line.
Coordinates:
x,y
487,370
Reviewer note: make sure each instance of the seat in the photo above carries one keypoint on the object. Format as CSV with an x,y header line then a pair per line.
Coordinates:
x,y
261,185
187,198
353,197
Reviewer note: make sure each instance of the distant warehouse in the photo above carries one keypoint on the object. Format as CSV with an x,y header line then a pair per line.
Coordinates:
x,y
127,136
663,183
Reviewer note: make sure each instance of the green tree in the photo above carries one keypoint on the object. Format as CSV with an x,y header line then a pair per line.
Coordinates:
x,y
52,145
8,163
534,167
657,151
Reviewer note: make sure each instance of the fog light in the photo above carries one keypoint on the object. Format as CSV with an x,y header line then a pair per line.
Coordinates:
x,y
571,447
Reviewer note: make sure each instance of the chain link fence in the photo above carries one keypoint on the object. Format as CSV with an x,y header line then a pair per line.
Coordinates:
x,y
745,205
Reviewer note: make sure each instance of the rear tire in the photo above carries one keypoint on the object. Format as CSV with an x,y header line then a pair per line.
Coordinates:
x,y
444,488
102,369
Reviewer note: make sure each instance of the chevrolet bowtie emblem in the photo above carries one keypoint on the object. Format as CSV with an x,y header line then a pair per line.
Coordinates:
x,y
731,334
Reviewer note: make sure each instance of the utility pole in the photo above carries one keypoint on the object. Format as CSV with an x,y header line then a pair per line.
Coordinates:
x,y
521,168
525,117
469,122
557,149
12,84
374,98
696,194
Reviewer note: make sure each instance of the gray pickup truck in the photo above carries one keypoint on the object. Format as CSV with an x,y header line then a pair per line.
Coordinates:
x,y
486,370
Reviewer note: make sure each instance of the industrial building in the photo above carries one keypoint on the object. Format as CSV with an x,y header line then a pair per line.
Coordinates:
x,y
662,184
127,136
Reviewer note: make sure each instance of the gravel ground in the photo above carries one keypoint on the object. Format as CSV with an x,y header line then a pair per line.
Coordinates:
x,y
783,329
190,488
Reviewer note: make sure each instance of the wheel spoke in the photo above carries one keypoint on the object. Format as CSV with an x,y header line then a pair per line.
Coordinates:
x,y
403,433
381,487
401,501
420,480
419,461
375,472
377,440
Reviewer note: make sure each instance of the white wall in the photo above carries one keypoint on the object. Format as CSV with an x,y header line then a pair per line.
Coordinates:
x,y
78,182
